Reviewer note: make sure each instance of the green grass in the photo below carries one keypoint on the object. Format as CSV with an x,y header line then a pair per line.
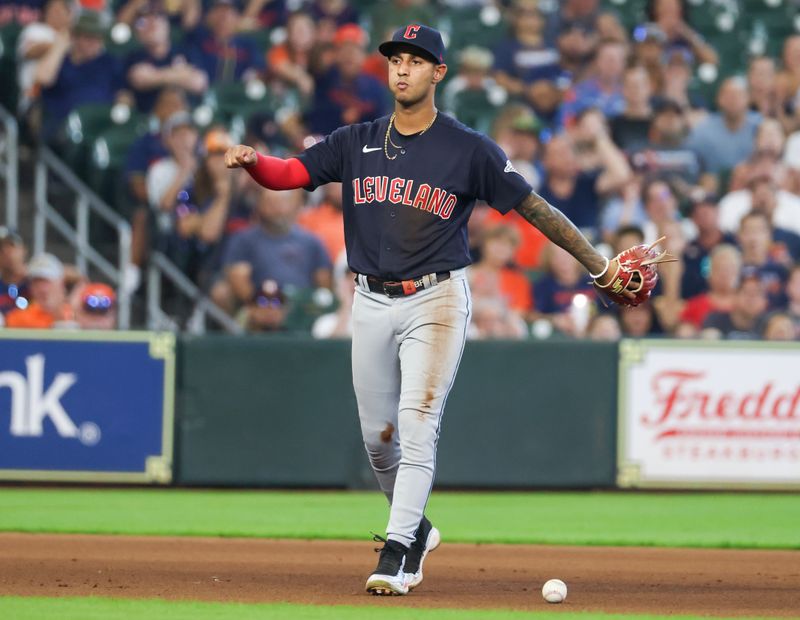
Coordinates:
x,y
669,519
119,609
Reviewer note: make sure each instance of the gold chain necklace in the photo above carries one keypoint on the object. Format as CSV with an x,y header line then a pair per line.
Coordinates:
x,y
387,139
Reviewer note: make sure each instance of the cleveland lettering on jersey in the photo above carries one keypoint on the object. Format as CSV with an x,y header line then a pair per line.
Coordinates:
x,y
398,191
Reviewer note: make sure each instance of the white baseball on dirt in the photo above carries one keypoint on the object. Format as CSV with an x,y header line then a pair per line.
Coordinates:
x,y
554,591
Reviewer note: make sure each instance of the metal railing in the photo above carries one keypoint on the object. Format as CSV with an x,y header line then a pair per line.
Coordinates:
x,y
161,267
9,159
87,203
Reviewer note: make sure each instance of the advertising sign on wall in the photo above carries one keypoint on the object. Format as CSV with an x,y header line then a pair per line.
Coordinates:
x,y
695,414
85,406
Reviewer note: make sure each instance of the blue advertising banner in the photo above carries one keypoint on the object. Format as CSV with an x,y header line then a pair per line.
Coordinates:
x,y
86,406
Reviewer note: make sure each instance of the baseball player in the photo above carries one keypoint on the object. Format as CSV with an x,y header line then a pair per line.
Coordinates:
x,y
410,181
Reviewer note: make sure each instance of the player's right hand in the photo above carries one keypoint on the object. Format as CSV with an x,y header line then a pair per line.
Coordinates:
x,y
240,156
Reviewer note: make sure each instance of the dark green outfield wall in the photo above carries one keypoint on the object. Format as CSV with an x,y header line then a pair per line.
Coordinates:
x,y
281,411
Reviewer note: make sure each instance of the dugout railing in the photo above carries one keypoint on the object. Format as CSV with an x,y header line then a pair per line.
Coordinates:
x,y
79,204
160,268
9,158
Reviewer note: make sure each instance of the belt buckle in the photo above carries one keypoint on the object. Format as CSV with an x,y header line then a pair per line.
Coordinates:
x,y
386,290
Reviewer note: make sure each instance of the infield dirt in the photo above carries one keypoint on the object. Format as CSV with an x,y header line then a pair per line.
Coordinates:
x,y
608,579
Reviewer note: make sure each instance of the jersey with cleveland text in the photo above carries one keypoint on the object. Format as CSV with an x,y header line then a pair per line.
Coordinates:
x,y
407,217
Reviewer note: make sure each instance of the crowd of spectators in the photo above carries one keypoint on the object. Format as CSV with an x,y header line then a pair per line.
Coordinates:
x,y
606,122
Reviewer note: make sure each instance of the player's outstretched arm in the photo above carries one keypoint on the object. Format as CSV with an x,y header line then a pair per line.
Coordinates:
x,y
561,231
270,172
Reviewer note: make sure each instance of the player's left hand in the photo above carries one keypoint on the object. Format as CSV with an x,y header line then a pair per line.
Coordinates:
x,y
631,275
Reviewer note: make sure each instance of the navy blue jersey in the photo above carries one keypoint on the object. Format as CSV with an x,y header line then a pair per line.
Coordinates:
x,y
407,217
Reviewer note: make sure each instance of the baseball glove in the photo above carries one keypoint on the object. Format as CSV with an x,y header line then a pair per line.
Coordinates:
x,y
633,270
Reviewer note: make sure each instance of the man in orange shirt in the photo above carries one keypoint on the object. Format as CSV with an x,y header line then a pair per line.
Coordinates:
x,y
49,307
325,221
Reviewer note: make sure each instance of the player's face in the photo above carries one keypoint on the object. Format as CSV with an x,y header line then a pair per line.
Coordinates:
x,y
411,77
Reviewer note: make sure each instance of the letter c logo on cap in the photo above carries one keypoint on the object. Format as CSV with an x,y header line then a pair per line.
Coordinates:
x,y
411,32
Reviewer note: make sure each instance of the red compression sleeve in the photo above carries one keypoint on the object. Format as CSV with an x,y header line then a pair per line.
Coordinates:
x,y
277,173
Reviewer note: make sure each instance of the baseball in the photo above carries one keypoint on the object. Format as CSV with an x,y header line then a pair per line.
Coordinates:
x,y
554,591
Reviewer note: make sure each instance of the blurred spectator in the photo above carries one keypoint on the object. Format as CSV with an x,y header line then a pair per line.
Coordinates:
x,y
329,15
290,61
677,78
338,324
661,207
696,256
77,70
182,14
14,283
602,88
626,237
779,327
472,96
494,275
576,28
726,137
578,192
276,249
33,43
638,321
200,222
219,51
767,158
158,63
518,136
604,328
555,291
631,127
672,18
755,241
267,310
649,51
763,86
493,320
172,175
96,306
793,296
667,301
263,14
325,221
145,151
744,320
48,297
345,94
762,194
723,280
22,11
788,80
667,154
525,65
623,210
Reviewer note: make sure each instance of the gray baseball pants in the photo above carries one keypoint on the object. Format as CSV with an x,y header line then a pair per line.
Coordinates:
x,y
406,352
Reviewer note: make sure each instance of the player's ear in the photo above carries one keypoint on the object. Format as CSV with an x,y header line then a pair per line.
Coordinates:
x,y
438,73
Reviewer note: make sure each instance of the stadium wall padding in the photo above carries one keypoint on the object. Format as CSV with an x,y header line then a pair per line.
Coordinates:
x,y
280,411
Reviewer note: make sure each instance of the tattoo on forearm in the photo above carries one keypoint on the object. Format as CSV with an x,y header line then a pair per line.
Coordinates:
x,y
557,227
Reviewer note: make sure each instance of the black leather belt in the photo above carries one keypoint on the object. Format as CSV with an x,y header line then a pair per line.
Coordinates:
x,y
404,288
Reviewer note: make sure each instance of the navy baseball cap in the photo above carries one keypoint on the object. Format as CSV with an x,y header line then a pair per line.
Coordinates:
x,y
423,38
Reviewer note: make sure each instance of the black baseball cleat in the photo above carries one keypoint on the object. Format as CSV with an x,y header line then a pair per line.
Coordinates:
x,y
389,578
428,538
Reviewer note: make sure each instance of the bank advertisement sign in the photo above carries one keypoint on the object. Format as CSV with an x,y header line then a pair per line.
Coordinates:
x,y
709,415
86,406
